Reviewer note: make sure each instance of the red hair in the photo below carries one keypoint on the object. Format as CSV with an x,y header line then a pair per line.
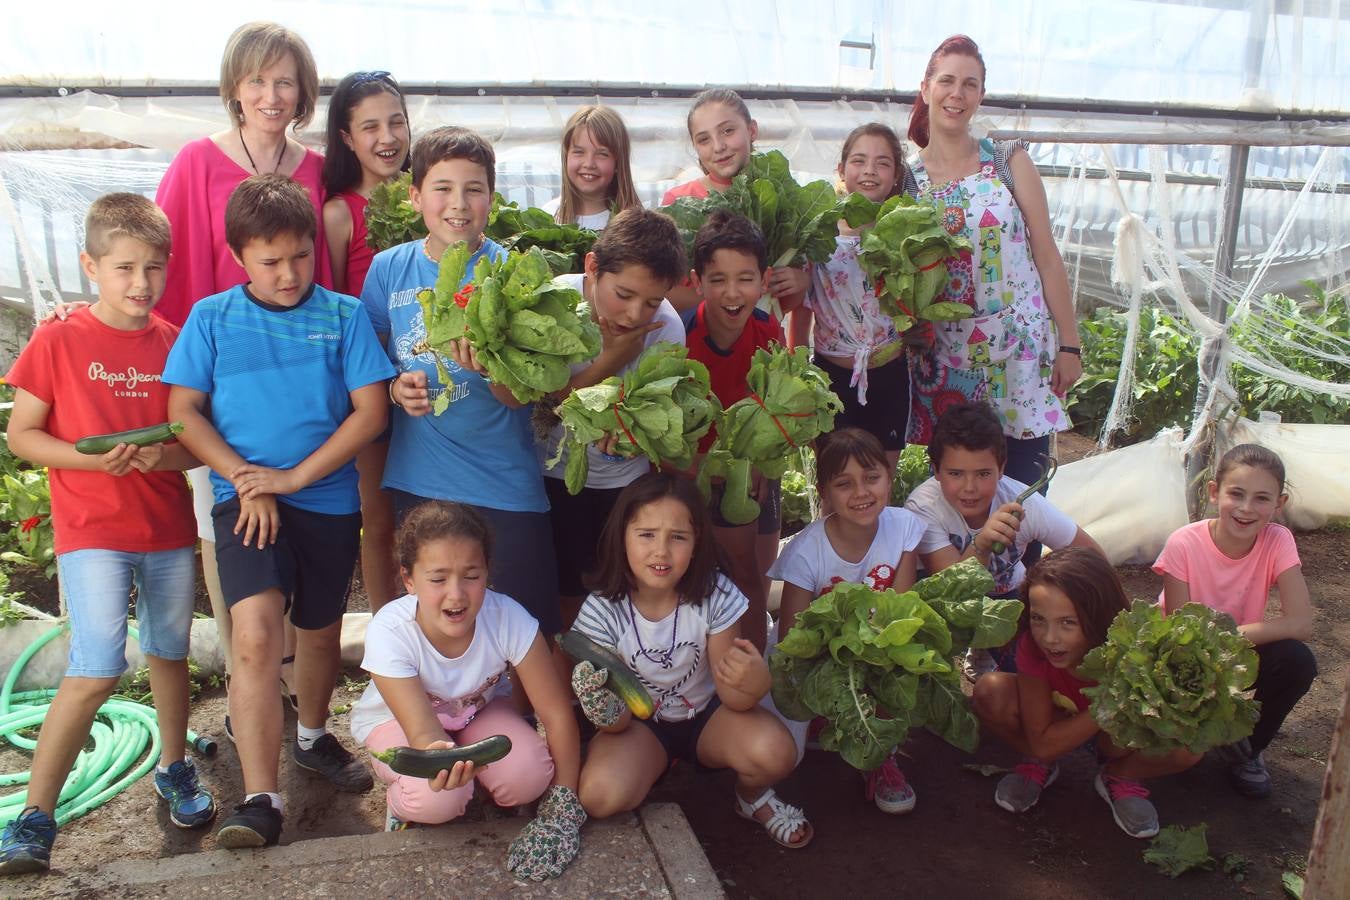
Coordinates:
x,y
957,44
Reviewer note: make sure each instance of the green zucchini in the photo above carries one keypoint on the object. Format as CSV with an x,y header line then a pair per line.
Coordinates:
x,y
622,680
98,444
430,763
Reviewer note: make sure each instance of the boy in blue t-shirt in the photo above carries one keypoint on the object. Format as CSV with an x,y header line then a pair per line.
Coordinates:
x,y
278,384
480,449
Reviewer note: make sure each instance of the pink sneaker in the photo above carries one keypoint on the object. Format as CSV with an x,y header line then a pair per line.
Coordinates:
x,y
1129,804
888,789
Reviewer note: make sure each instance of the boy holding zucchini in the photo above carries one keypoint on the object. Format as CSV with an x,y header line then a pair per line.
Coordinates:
x,y
278,383
120,509
973,509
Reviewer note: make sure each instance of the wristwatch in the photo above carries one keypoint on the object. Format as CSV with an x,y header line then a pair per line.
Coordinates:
x,y
1076,351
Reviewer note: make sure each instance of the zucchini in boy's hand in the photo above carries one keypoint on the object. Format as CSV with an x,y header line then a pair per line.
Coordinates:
x,y
430,763
98,444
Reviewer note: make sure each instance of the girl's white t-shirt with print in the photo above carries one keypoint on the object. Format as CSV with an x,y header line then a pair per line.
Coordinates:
x,y
670,657
810,563
396,648
1041,521
595,221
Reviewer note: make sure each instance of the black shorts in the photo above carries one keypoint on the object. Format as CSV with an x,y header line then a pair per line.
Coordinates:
x,y
311,562
680,738
522,565
577,521
770,509
886,415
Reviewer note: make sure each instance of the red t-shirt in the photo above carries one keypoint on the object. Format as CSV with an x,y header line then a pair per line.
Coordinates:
x,y
727,368
98,379
1031,661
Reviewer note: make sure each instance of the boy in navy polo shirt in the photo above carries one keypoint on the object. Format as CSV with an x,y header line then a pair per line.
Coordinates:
x,y
278,384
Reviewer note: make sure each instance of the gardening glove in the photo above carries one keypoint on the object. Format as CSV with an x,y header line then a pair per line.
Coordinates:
x,y
551,840
601,705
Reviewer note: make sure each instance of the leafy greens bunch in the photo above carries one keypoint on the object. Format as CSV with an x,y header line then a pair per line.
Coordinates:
x,y
1168,682
659,408
390,217
789,406
799,222
525,328
905,254
877,663
516,229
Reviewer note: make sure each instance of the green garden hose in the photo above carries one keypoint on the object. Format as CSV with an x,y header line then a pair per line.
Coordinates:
x,y
121,734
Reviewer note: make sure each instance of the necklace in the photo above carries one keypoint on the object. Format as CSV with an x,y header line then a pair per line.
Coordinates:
x,y
661,657
280,156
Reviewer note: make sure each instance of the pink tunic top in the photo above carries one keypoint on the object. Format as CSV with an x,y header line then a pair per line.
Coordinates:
x,y
193,194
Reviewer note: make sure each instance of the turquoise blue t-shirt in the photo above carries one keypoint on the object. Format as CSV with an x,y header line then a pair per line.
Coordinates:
x,y
477,451
280,380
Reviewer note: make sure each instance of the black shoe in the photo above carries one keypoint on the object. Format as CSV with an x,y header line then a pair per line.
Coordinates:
x,y
331,760
254,823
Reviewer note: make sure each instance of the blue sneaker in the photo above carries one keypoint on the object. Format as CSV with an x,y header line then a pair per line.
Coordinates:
x,y
26,845
189,805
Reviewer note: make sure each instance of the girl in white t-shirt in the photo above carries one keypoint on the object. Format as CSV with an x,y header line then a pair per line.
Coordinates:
x,y
439,659
671,616
597,177
864,541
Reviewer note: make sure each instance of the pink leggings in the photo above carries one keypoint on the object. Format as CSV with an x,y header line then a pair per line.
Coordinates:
x,y
519,778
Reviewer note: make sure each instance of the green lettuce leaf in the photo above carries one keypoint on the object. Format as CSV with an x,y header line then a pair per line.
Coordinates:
x,y
1176,850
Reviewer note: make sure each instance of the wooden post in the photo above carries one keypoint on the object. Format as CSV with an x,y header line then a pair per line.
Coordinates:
x,y
1329,863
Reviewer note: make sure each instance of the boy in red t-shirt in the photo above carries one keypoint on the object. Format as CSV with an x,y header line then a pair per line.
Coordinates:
x,y
723,332
121,518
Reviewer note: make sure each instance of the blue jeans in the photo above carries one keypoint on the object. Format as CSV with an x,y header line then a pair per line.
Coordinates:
x,y
1024,458
98,587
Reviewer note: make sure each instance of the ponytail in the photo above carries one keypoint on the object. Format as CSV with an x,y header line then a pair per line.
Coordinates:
x,y
918,119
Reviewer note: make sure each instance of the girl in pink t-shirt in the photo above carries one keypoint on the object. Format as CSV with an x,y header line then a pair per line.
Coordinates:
x,y
1230,563
1071,598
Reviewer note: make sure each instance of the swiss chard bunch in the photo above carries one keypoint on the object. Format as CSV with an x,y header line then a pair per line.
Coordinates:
x,y
905,254
526,329
1168,682
789,406
659,408
390,217
563,246
799,221
875,664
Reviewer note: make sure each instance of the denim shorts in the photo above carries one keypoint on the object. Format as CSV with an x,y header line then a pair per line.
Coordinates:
x,y
98,587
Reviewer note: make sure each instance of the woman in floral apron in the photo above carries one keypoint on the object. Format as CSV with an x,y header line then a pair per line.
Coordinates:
x,y
1019,351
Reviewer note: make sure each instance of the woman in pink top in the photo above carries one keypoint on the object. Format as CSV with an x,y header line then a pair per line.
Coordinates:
x,y
1230,563
268,82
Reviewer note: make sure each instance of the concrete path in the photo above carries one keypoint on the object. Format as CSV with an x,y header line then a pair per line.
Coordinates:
x,y
652,853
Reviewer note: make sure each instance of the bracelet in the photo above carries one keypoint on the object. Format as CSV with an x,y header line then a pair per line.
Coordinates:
x,y
392,399
1076,351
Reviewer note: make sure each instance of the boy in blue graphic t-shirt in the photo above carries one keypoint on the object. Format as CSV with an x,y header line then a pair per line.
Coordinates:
x,y
278,384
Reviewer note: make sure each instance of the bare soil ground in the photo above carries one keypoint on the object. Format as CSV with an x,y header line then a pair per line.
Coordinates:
x,y
956,842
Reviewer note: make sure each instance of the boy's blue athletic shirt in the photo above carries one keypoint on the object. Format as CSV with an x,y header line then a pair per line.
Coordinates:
x,y
280,380
477,451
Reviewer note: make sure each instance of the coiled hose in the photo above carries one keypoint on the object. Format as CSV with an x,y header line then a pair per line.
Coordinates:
x,y
122,732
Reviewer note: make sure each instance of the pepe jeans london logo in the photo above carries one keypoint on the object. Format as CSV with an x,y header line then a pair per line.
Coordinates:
x,y
123,384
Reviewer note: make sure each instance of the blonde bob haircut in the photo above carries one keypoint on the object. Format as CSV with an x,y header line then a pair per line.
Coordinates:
x,y
257,45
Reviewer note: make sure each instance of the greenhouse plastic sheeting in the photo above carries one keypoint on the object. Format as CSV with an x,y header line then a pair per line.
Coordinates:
x,y
51,189
1316,463
1263,55
1129,500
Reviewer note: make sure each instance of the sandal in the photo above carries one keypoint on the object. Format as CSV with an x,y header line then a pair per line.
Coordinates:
x,y
784,821
286,688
